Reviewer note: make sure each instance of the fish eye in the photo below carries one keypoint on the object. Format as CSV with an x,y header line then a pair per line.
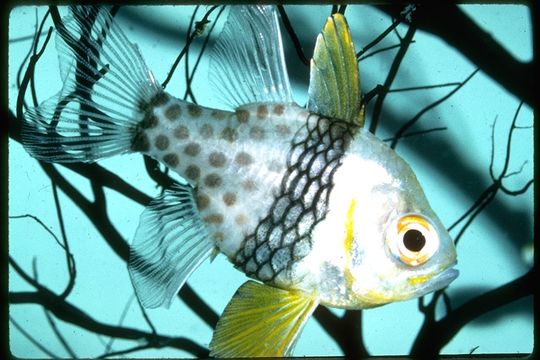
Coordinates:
x,y
413,239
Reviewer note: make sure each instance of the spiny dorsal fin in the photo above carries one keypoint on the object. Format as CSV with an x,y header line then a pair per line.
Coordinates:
x,y
248,65
169,244
261,320
334,83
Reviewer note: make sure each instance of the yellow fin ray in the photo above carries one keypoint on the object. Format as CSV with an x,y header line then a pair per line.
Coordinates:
x,y
334,84
261,320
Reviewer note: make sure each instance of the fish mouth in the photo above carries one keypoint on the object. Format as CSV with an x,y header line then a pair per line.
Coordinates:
x,y
431,282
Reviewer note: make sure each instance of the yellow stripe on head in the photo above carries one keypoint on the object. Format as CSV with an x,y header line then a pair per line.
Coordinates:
x,y
348,242
420,279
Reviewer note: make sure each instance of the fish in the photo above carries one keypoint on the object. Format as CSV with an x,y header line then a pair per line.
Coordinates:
x,y
305,201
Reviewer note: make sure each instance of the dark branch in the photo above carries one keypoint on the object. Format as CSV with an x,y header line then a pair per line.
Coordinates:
x,y
452,25
292,34
67,312
32,340
429,346
403,129
346,331
377,110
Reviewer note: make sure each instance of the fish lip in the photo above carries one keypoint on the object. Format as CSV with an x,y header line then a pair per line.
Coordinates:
x,y
440,280
447,275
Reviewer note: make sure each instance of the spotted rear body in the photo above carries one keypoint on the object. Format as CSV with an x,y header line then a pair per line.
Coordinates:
x,y
262,175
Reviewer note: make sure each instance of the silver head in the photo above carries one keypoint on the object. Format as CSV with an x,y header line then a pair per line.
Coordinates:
x,y
381,241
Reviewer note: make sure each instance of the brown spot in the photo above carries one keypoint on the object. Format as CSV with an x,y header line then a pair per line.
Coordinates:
x,y
278,109
249,185
217,159
262,111
242,115
194,110
192,149
202,201
243,158
241,219
160,99
229,198
229,134
173,112
193,172
218,115
213,219
171,159
150,121
140,142
206,131
213,180
181,132
256,133
161,142
283,129
219,236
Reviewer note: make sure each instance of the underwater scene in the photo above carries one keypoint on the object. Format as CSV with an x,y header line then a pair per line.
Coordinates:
x,y
238,181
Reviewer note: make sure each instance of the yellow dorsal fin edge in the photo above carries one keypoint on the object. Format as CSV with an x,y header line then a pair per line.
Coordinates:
x,y
334,88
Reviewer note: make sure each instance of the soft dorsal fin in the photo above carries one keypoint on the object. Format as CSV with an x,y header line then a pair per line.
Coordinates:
x,y
261,320
334,82
247,63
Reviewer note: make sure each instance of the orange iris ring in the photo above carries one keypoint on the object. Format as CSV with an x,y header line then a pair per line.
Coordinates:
x,y
423,225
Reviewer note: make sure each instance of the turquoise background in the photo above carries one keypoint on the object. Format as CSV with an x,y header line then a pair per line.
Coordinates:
x,y
496,248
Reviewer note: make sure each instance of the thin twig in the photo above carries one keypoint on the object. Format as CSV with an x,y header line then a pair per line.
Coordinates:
x,y
377,109
120,322
412,121
424,87
378,39
416,133
70,260
203,48
292,34
184,49
381,50
186,57
59,335
497,182
32,340
146,317
69,313
126,351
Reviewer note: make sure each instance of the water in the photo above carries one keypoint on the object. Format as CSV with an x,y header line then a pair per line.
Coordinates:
x,y
452,165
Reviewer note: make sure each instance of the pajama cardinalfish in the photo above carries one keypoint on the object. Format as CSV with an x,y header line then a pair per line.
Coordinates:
x,y
304,200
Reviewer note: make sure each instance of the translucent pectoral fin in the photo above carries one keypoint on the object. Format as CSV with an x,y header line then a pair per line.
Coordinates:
x,y
169,244
334,84
261,321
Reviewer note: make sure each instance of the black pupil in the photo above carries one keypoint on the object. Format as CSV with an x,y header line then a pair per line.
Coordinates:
x,y
414,240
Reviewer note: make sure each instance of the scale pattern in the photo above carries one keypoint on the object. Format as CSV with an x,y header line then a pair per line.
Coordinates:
x,y
283,237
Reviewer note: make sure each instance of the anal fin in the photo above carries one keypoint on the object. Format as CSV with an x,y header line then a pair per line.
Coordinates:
x,y
169,244
261,321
